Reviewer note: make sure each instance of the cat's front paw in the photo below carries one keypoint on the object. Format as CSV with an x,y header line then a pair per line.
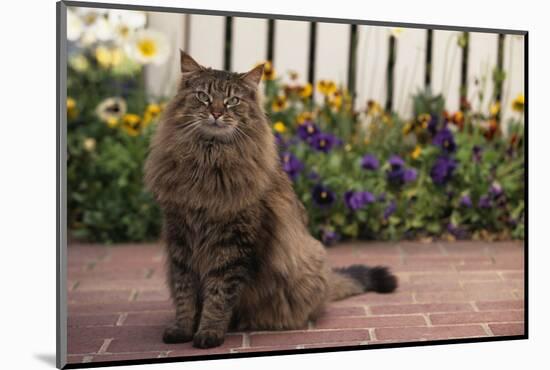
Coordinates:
x,y
208,338
177,334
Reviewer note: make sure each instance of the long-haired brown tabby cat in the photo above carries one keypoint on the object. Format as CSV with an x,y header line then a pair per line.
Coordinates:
x,y
239,252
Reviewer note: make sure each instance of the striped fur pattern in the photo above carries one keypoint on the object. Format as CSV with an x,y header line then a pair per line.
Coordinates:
x,y
239,252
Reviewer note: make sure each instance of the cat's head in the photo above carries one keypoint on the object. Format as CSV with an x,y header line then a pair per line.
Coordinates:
x,y
217,105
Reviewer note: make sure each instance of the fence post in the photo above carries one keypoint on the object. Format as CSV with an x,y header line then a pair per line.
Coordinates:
x,y
352,63
390,71
312,47
428,70
464,43
499,75
228,43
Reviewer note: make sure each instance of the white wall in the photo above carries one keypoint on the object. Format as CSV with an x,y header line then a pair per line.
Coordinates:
x,y
291,53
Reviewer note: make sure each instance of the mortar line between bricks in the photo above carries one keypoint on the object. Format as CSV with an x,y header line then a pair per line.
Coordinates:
x,y
87,359
133,295
401,255
105,345
427,319
121,319
246,340
372,334
487,329
442,249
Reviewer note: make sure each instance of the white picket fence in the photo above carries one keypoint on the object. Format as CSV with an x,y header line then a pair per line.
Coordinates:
x,y
205,37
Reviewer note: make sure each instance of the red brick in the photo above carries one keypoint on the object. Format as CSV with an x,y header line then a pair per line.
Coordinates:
x,y
430,333
420,308
507,329
265,349
500,305
373,299
98,296
120,284
148,338
308,337
92,320
153,295
187,350
418,248
457,296
343,344
453,276
125,356
83,340
434,286
150,318
448,268
75,359
335,311
490,286
476,317
369,322
520,275
118,307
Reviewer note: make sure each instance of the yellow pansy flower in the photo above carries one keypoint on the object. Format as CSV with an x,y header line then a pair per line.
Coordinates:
x,y
269,71
519,103
495,108
279,127
304,117
131,124
326,87
416,152
305,91
72,111
151,112
279,103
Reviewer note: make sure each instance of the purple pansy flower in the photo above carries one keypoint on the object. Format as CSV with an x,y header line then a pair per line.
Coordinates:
x,y
466,201
477,152
329,237
313,176
324,142
396,161
457,231
445,140
410,175
432,125
442,170
322,196
307,131
390,209
359,199
370,162
484,202
291,165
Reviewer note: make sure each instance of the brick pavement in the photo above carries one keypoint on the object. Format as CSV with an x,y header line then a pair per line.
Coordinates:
x,y
118,302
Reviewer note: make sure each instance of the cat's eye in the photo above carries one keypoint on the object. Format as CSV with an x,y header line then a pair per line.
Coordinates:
x,y
232,101
203,97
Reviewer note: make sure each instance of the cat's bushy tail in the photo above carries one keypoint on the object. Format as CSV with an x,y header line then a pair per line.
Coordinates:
x,y
357,279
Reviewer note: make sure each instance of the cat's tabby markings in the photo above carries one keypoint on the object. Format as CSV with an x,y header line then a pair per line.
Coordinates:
x,y
239,252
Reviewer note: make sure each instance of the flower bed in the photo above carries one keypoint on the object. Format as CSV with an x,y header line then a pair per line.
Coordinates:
x,y
360,171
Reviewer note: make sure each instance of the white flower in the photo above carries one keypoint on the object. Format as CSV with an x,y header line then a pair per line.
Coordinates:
x,y
148,46
79,62
75,26
131,19
89,144
90,15
102,29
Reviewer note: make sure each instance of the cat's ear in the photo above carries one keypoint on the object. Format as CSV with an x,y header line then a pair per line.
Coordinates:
x,y
188,64
254,76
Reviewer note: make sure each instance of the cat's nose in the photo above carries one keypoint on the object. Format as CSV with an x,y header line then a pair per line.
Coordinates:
x,y
216,115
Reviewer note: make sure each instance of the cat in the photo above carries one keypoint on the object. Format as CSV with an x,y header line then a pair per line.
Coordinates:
x,y
239,252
